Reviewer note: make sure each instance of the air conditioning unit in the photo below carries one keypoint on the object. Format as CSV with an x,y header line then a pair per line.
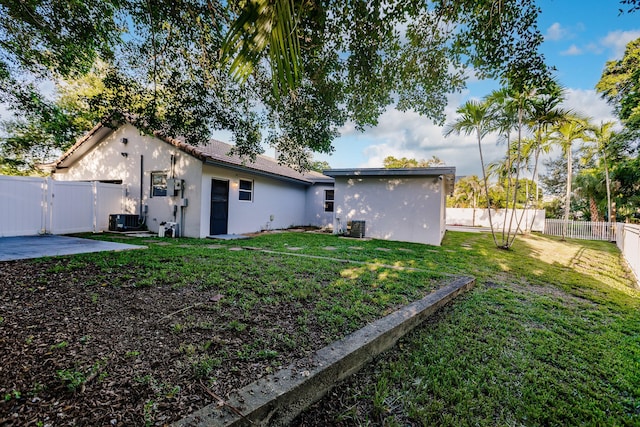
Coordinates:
x,y
357,229
124,222
169,229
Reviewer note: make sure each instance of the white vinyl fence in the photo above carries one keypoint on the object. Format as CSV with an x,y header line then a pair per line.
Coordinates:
x,y
585,230
480,218
626,236
31,206
628,240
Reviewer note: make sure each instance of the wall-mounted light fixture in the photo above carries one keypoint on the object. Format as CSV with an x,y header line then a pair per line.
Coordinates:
x,y
124,141
125,155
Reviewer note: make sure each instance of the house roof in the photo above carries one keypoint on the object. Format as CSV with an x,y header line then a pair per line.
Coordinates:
x,y
448,173
213,152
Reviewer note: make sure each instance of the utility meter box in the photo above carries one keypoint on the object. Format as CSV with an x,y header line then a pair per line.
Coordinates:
x,y
174,187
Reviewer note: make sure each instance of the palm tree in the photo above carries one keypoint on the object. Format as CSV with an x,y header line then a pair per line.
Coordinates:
x,y
262,24
573,128
505,113
544,114
475,118
602,136
589,185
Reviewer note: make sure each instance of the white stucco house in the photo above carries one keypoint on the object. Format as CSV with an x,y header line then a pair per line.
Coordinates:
x,y
395,204
200,188
206,192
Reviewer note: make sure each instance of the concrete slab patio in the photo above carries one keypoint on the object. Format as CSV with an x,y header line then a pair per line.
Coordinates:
x,y
26,247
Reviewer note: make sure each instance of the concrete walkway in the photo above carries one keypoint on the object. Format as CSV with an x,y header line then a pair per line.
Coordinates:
x,y
26,247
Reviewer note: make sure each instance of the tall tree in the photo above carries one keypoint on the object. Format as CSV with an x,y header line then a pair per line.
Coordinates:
x,y
308,66
602,137
620,86
565,134
474,118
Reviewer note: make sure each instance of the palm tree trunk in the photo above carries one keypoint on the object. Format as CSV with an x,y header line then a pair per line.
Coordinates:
x,y
608,185
510,239
535,179
567,200
486,187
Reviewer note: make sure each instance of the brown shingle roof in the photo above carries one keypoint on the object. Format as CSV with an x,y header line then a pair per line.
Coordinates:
x,y
217,152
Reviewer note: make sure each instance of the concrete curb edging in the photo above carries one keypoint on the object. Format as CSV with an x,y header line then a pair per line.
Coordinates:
x,y
277,399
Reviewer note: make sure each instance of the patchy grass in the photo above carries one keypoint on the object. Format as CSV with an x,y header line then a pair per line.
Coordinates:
x,y
550,336
148,336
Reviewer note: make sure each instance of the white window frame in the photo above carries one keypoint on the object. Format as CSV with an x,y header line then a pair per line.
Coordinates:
x,y
244,191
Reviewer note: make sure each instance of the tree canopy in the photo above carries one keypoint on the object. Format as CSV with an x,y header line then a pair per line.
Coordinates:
x,y
620,86
305,67
391,162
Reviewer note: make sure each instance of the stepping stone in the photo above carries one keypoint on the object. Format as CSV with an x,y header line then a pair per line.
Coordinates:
x,y
330,248
252,248
294,248
383,249
184,246
214,246
356,248
405,250
163,243
235,249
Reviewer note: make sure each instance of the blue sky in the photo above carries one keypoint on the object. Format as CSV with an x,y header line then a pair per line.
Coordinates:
x,y
580,37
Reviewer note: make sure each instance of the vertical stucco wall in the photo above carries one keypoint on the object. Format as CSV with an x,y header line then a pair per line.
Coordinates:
x,y
315,214
404,208
106,162
282,201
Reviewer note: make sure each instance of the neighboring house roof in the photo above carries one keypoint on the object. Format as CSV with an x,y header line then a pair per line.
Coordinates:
x,y
448,173
213,152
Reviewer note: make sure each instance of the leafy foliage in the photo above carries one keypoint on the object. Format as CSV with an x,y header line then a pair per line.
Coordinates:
x,y
307,67
620,86
391,162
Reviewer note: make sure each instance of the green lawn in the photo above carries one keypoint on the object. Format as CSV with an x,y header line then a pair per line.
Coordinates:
x,y
549,336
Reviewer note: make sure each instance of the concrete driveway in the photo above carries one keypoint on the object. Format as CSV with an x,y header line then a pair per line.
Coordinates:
x,y
25,247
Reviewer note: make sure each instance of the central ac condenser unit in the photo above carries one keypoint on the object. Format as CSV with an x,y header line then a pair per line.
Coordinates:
x,y
124,222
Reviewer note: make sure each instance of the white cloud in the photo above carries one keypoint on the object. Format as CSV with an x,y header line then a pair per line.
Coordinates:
x,y
589,103
555,32
572,51
618,40
407,134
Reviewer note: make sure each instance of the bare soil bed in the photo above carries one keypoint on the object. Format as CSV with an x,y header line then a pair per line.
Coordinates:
x,y
76,352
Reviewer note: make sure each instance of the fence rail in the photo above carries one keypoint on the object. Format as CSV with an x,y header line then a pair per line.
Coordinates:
x,y
585,230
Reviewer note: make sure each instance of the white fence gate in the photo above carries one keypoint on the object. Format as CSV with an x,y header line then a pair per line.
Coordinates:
x,y
585,230
30,206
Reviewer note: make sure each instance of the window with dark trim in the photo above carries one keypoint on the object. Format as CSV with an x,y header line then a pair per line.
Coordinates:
x,y
158,184
328,200
245,192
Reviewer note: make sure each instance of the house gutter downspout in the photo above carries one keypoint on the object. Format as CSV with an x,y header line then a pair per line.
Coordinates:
x,y
141,184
